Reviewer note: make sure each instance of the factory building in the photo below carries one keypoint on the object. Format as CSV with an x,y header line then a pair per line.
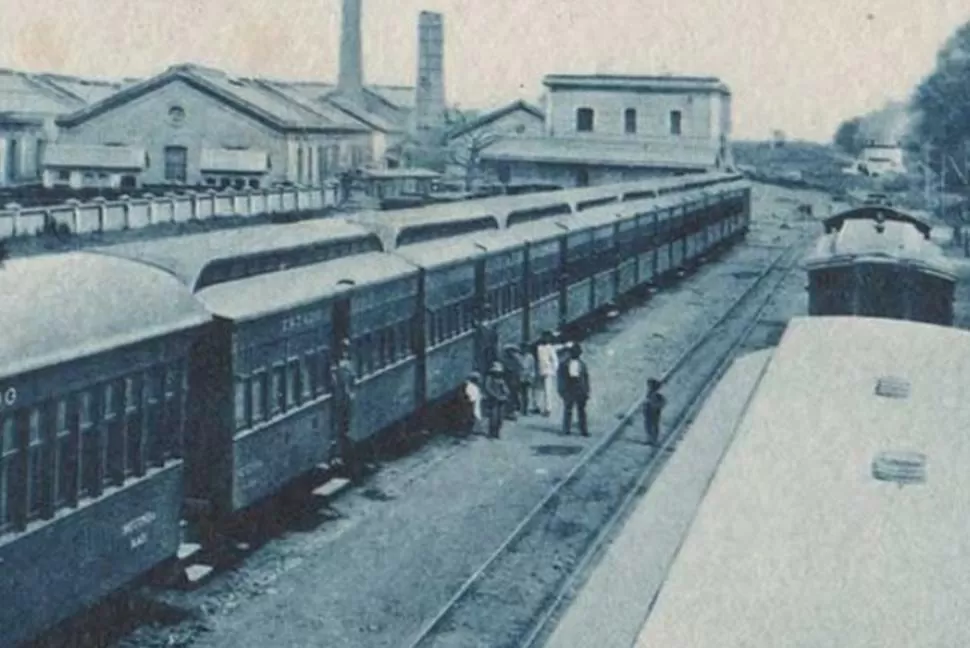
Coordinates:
x,y
609,128
195,125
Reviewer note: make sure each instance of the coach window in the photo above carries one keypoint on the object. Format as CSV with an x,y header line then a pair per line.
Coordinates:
x,y
35,465
243,403
293,387
114,450
276,390
307,377
8,471
90,452
257,390
153,407
134,426
65,475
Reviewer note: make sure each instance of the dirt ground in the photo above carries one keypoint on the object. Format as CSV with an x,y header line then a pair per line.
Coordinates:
x,y
369,568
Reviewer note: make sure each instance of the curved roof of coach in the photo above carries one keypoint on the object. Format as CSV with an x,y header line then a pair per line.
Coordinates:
x,y
872,212
61,307
889,242
274,292
187,256
806,535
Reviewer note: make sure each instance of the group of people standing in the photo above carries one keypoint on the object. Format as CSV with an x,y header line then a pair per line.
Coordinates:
x,y
522,382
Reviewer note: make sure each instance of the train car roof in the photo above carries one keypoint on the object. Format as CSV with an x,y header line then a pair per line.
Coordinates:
x,y
797,542
433,254
889,241
60,307
253,297
186,256
871,212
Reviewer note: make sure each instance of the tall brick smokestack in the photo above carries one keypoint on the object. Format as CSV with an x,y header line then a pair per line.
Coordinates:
x,y
430,92
351,79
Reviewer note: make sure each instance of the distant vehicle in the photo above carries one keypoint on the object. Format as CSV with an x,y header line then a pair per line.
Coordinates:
x,y
880,262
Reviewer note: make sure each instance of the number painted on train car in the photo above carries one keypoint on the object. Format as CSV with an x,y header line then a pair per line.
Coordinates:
x,y
302,320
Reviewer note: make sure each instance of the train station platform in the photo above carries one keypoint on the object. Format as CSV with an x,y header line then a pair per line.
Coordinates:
x,y
612,606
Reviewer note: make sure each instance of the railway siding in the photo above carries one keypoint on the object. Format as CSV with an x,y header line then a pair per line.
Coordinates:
x,y
371,570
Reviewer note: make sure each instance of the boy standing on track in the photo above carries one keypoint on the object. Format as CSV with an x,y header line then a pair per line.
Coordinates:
x,y
653,406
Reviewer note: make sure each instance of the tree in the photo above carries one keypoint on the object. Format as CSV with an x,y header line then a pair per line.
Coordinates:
x,y
942,102
847,136
465,151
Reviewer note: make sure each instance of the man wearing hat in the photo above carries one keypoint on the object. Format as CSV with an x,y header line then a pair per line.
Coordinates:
x,y
496,396
344,392
574,390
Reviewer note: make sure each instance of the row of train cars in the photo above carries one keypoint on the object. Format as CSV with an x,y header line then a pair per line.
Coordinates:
x,y
190,376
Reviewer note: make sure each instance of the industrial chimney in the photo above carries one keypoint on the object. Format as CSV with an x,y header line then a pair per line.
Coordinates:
x,y
351,79
430,91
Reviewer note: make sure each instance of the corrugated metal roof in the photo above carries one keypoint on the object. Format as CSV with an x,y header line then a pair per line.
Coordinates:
x,y
65,306
269,293
797,542
93,156
559,150
186,256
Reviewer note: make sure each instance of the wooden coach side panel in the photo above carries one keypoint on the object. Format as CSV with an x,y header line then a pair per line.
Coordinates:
x,y
58,567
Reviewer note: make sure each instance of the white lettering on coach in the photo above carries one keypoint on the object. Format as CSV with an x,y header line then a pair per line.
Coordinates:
x,y
136,530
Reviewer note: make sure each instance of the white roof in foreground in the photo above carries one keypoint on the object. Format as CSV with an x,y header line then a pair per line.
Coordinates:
x,y
796,543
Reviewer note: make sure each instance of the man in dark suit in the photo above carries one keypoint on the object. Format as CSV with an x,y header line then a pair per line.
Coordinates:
x,y
574,390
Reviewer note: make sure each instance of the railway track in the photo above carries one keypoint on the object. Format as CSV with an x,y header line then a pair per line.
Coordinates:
x,y
514,597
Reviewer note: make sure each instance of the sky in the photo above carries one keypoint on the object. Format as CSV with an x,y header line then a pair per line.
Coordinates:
x,y
801,67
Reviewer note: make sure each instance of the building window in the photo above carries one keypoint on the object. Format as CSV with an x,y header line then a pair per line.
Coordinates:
x,y
582,177
176,115
584,120
128,181
254,183
64,175
630,120
675,119
176,163
504,173
299,164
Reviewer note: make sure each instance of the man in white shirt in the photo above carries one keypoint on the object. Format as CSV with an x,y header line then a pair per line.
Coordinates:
x,y
547,366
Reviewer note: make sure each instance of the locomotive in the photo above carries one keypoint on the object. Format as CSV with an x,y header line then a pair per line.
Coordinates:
x,y
190,376
878,261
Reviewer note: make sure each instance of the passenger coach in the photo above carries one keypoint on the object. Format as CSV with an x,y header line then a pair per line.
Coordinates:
x,y
879,262
837,516
93,380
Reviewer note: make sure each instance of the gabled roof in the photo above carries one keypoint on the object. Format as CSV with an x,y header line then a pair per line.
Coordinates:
x,y
245,95
24,94
493,115
603,152
355,109
637,82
